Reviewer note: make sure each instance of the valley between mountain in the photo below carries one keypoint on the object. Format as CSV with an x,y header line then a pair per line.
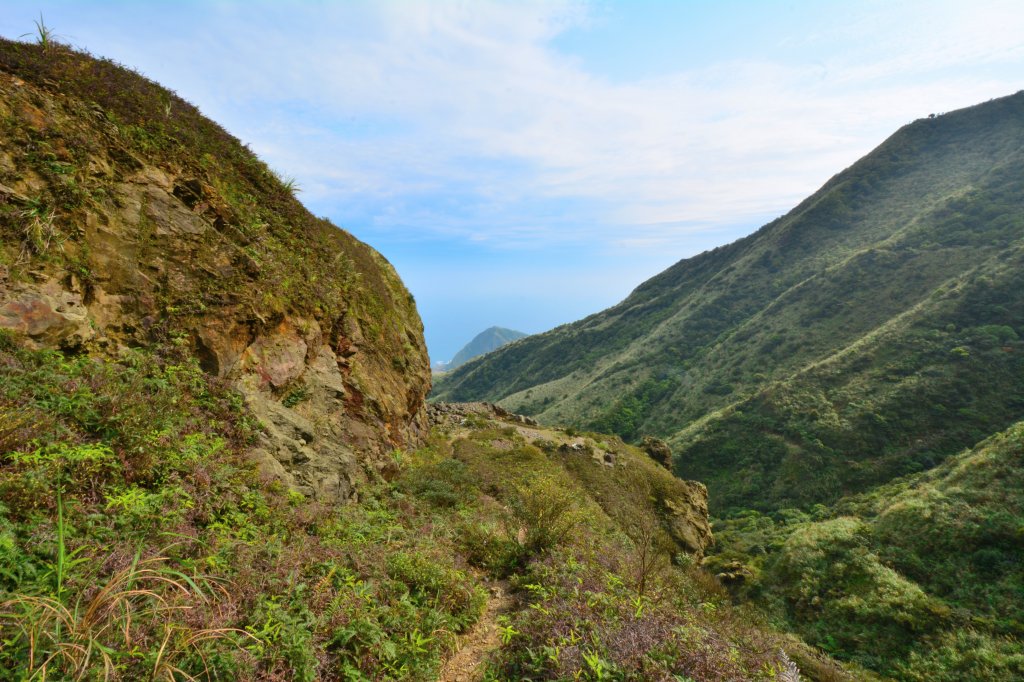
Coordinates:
x,y
793,457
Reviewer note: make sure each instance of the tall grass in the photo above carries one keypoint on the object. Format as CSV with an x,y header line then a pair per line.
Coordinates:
x,y
94,631
44,35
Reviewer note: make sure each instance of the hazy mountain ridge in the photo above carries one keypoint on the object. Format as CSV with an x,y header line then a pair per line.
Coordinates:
x,y
486,341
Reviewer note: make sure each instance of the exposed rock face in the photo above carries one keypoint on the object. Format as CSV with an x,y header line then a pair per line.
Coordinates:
x,y
687,513
115,237
658,450
45,312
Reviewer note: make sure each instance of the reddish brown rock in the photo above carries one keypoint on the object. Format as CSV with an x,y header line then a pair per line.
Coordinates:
x,y
203,248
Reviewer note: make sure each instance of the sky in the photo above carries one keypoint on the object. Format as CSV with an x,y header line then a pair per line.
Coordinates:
x,y
525,164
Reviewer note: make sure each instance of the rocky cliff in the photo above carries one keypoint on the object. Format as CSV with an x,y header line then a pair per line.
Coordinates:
x,y
127,219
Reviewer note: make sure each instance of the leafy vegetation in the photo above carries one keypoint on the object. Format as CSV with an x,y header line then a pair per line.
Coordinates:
x,y
606,590
919,579
136,542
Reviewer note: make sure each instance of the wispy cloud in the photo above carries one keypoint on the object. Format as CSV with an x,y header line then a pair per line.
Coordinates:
x,y
387,106
480,105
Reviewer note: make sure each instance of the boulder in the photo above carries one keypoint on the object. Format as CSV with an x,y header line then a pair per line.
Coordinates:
x,y
658,450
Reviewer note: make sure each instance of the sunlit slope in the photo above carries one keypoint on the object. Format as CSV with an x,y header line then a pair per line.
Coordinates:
x,y
919,237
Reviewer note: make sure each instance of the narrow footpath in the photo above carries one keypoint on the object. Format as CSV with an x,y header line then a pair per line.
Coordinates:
x,y
467,664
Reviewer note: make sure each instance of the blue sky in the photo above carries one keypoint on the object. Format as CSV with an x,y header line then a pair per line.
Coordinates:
x,y
525,164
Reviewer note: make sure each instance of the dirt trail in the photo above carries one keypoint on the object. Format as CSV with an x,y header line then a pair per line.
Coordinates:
x,y
466,665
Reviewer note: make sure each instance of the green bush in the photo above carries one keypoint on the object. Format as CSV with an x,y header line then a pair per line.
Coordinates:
x,y
964,654
283,627
542,513
436,585
490,549
446,483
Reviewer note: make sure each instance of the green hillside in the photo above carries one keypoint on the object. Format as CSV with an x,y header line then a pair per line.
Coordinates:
x,y
920,578
138,541
870,332
216,461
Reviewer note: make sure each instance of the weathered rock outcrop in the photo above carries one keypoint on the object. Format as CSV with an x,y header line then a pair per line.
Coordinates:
x,y
658,450
127,219
444,413
595,460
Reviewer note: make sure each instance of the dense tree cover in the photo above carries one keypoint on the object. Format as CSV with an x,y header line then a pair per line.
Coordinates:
x,y
921,578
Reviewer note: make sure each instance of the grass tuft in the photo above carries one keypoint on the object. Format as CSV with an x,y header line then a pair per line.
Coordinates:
x,y
73,637
45,36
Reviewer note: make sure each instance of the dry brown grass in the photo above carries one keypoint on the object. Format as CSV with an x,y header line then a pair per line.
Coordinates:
x,y
114,619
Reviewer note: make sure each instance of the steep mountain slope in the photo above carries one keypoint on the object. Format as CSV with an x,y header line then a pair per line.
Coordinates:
x,y
870,332
489,339
129,220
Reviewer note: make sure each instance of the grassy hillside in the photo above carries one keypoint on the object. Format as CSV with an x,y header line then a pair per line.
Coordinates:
x,y
870,332
138,542
921,578
945,373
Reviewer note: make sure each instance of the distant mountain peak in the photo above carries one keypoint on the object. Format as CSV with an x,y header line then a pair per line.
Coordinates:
x,y
489,339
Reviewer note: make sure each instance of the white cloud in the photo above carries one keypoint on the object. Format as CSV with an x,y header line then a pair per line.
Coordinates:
x,y
479,81
393,105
